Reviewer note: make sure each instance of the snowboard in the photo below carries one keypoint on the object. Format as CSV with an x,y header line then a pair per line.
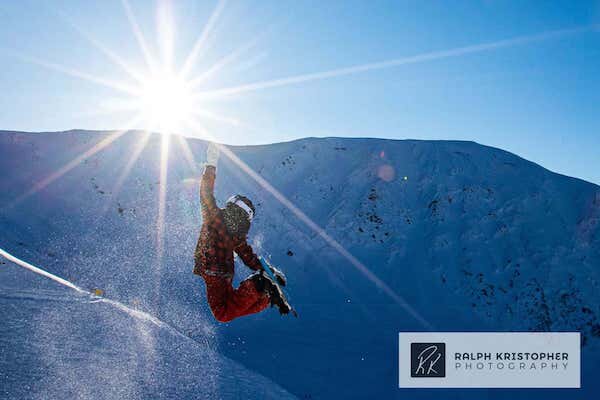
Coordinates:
x,y
271,274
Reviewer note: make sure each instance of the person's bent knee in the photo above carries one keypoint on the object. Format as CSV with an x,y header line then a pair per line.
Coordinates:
x,y
222,315
224,319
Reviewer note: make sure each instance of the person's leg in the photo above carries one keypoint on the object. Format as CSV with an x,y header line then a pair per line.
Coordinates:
x,y
227,303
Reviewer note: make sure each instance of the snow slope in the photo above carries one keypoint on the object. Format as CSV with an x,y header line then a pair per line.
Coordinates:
x,y
57,343
470,237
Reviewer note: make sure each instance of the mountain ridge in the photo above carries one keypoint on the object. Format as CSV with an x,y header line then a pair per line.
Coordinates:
x,y
308,138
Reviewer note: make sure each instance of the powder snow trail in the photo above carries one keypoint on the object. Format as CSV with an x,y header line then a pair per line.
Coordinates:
x,y
39,271
134,313
57,345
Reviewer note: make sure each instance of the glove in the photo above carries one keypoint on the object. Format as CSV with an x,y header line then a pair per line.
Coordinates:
x,y
212,154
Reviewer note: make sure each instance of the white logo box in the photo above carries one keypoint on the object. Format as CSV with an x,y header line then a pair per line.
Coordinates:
x,y
490,360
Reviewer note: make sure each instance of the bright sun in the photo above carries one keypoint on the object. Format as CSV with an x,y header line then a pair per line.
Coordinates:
x,y
165,102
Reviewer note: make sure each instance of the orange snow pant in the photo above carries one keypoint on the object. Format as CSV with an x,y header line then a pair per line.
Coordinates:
x,y
227,303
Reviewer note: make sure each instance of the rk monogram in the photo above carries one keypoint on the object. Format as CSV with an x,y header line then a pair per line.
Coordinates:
x,y
427,360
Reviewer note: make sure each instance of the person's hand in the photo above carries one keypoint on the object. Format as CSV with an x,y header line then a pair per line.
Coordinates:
x,y
212,154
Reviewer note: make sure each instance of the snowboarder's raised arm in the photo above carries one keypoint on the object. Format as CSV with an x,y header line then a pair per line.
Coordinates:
x,y
207,186
245,252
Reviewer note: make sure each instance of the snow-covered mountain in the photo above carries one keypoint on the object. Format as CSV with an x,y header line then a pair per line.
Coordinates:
x,y
466,236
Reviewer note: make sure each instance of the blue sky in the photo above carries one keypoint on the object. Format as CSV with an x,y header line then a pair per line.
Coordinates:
x,y
537,97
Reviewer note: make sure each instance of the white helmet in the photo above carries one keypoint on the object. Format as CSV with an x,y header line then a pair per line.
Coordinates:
x,y
244,203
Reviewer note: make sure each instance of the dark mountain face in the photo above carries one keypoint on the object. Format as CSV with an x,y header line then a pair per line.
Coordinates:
x,y
393,235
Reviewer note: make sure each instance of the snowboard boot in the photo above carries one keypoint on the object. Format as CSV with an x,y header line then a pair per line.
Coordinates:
x,y
264,284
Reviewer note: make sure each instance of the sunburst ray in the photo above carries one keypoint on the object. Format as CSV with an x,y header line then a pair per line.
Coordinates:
x,y
200,44
111,55
137,32
166,34
187,153
162,208
119,86
73,163
137,151
222,63
431,56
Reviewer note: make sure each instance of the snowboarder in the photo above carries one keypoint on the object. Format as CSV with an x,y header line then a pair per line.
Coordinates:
x,y
224,232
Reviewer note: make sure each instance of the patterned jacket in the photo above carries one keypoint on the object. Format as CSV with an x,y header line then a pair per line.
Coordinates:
x,y
215,248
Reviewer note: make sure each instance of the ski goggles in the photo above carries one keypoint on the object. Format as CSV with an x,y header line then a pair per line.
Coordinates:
x,y
240,203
